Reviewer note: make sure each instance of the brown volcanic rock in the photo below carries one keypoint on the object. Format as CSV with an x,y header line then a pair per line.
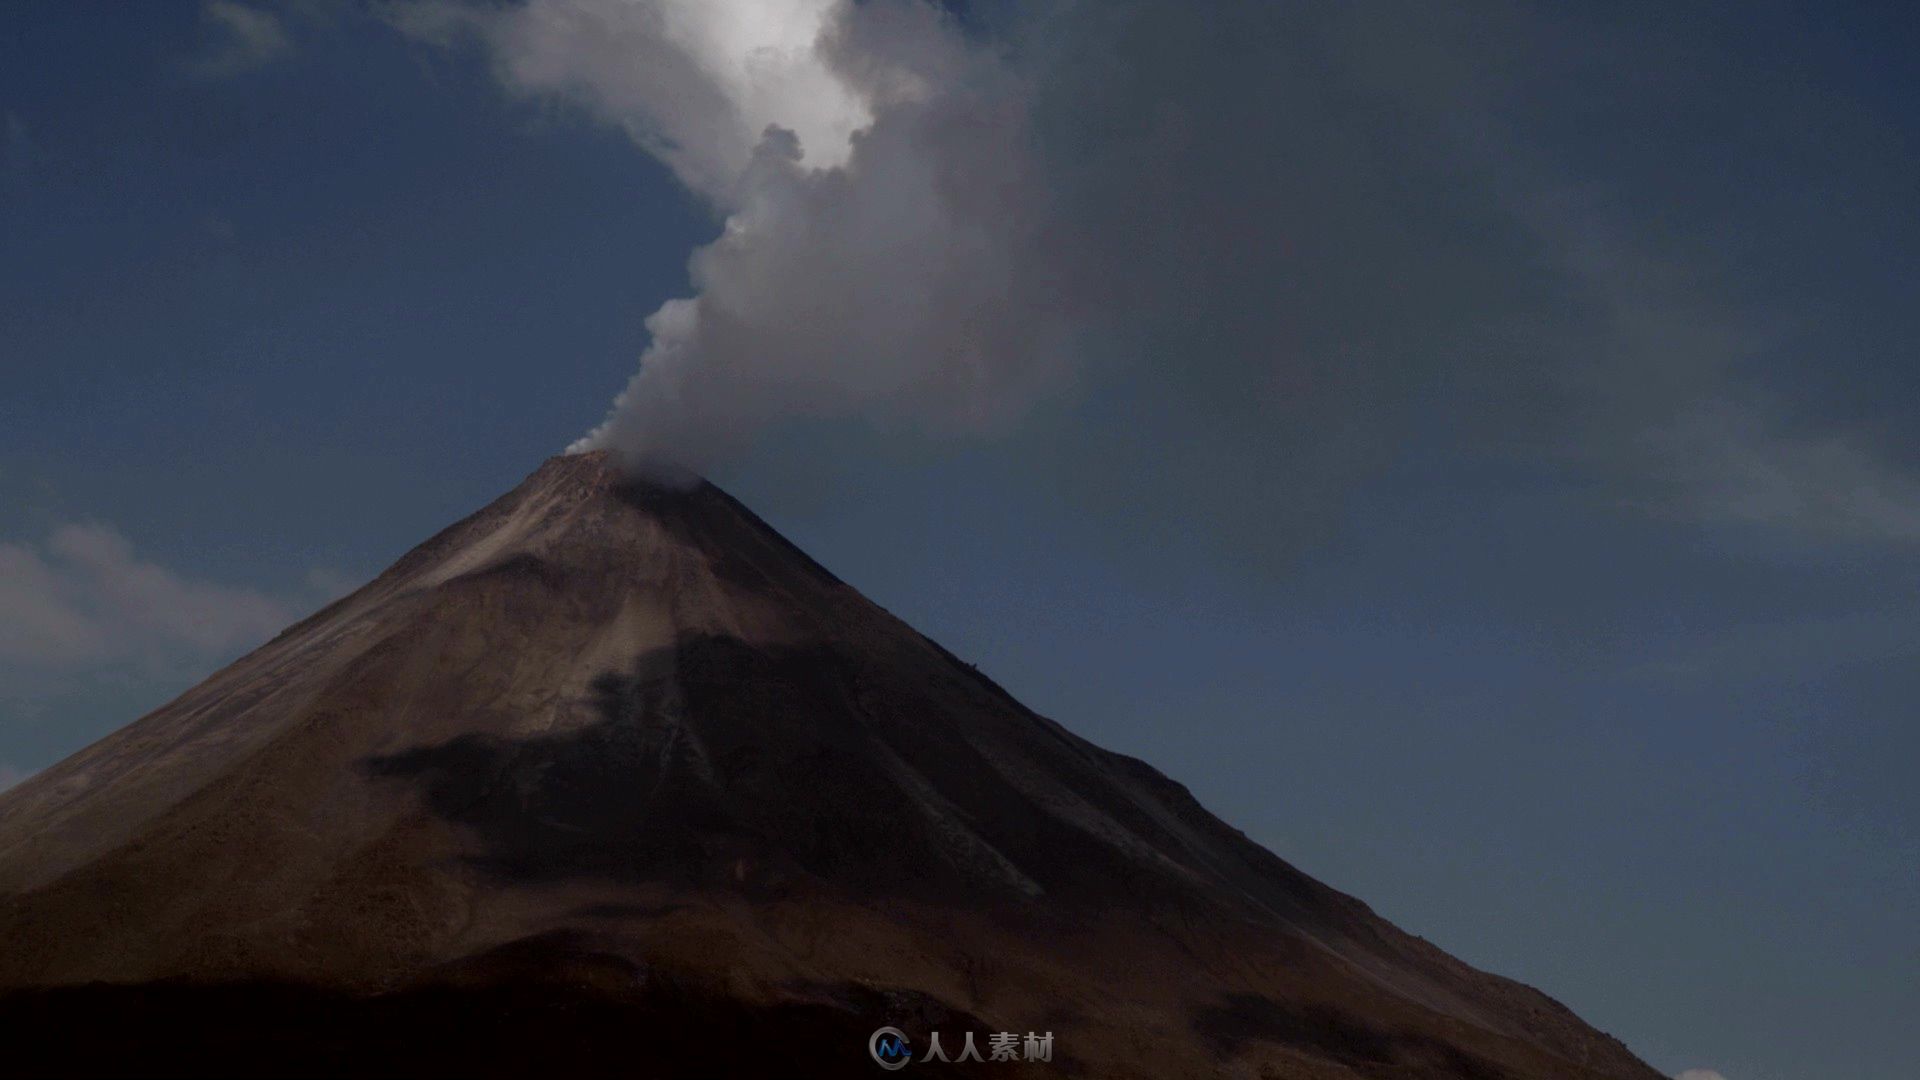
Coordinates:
x,y
625,746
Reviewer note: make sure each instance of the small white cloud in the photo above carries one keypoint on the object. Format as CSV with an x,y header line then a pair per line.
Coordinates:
x,y
244,38
1731,467
1699,1074
84,597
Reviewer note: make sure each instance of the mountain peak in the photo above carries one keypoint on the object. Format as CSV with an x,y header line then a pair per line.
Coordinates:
x,y
633,719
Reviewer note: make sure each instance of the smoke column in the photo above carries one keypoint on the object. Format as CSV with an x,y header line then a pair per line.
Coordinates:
x,y
1274,245
883,251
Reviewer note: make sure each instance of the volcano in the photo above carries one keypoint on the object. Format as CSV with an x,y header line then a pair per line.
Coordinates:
x,y
610,777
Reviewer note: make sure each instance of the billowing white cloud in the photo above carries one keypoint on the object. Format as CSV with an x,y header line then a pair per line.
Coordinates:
x,y
885,248
1276,245
697,82
84,597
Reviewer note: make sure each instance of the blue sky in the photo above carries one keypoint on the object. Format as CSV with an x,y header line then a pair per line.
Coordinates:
x,y
1474,452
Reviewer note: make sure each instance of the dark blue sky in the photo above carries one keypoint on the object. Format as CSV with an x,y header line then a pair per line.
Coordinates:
x,y
1499,497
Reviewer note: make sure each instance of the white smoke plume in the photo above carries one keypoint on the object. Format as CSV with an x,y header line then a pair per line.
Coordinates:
x,y
883,250
1279,245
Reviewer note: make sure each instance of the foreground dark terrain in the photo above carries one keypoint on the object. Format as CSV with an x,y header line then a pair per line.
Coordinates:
x,y
610,778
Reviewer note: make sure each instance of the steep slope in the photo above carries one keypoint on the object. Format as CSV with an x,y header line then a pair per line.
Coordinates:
x,y
625,738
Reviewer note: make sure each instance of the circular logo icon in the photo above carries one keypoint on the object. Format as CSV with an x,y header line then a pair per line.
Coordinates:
x,y
889,1048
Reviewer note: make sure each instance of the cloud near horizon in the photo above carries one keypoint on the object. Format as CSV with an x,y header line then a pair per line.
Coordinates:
x,y
1699,1074
92,630
83,597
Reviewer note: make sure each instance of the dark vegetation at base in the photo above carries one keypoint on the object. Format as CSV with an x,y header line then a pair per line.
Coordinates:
x,y
540,1028
635,796
1368,1050
758,768
530,1029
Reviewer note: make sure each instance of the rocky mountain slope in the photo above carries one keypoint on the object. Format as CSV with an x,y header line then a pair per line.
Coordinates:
x,y
609,758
